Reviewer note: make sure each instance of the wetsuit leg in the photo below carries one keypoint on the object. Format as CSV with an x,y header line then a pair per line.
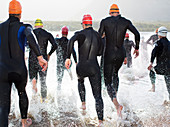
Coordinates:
x,y
101,70
111,76
108,80
152,76
20,82
5,93
167,80
129,61
33,69
81,88
43,83
60,71
95,82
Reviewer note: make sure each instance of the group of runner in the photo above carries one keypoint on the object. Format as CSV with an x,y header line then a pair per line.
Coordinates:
x,y
108,42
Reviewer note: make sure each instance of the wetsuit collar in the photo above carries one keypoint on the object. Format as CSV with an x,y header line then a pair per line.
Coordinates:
x,y
116,17
13,19
89,28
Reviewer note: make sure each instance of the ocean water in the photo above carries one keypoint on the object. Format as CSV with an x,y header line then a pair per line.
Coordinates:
x,y
62,109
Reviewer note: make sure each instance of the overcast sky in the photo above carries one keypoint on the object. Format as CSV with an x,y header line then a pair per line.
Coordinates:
x,y
64,10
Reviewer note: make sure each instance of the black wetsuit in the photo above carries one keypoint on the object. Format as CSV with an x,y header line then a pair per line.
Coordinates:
x,y
89,47
115,29
13,35
162,54
61,53
34,68
128,44
152,38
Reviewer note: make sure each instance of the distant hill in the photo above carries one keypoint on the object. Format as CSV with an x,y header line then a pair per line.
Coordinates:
x,y
75,25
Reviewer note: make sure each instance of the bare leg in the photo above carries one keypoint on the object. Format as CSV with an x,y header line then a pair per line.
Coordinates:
x,y
118,107
34,83
153,88
83,106
100,123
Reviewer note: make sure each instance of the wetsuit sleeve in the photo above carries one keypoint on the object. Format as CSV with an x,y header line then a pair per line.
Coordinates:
x,y
101,47
156,51
153,55
31,40
148,41
74,55
136,33
101,29
70,45
54,45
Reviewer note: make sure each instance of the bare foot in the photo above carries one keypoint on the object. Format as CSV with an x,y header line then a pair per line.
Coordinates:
x,y
26,122
100,123
152,90
119,111
83,106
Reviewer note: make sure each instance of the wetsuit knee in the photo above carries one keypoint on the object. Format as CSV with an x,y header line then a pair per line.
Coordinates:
x,y
4,111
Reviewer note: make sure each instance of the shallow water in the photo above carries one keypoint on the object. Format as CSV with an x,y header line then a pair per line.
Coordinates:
x,y
62,109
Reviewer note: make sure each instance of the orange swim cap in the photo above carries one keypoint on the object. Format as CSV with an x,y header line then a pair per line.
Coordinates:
x,y
15,7
114,8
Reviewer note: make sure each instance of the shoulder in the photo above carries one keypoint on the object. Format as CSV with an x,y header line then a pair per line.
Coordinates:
x,y
26,24
106,19
125,20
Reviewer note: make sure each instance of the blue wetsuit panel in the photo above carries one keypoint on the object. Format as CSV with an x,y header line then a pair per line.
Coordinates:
x,y
22,38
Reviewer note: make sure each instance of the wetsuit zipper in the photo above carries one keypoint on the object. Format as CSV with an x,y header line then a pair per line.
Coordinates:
x,y
9,46
90,45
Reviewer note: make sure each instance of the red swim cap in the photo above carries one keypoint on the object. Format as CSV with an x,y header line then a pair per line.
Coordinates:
x,y
127,35
87,19
65,30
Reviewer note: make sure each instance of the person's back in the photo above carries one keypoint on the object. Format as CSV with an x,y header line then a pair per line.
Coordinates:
x,y
163,56
153,38
43,37
89,45
12,52
128,44
115,29
13,36
161,52
62,47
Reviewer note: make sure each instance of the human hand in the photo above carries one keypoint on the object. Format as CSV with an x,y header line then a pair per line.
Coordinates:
x,y
125,60
150,67
43,63
136,53
67,63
